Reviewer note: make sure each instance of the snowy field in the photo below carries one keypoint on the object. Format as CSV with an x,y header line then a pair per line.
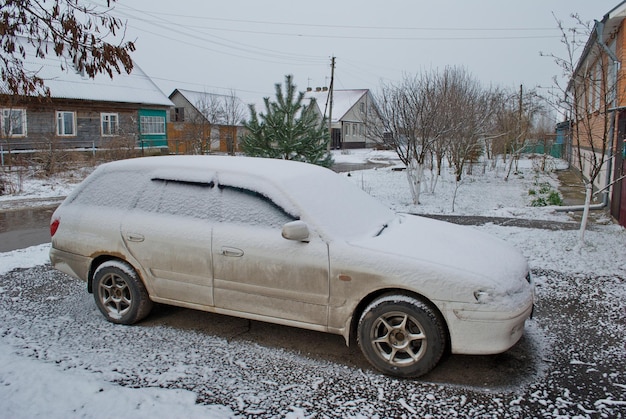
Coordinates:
x,y
61,359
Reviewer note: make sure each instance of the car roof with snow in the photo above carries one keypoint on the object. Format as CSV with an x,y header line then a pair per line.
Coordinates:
x,y
275,170
311,192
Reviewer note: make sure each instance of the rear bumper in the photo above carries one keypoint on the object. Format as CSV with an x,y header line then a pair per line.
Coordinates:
x,y
70,263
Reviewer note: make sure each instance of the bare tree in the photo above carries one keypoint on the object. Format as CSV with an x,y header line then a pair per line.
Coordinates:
x,y
514,118
233,114
589,98
198,124
434,116
544,135
233,110
122,144
215,113
66,28
9,121
472,107
409,125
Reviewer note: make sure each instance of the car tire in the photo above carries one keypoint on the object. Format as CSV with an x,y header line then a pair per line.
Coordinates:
x,y
401,336
119,293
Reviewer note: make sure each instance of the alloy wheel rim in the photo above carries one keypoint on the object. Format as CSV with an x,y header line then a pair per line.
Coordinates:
x,y
115,295
398,339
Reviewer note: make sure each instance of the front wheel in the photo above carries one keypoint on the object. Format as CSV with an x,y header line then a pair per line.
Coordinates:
x,y
401,336
119,293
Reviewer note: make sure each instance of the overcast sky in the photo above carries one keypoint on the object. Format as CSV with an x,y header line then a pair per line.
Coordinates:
x,y
249,45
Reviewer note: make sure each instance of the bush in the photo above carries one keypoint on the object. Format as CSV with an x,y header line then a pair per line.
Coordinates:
x,y
545,196
539,202
554,198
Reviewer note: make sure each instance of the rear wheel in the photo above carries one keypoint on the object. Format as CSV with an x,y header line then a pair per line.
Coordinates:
x,y
119,293
401,336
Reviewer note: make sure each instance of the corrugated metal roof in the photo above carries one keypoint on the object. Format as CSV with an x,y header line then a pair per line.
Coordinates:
x,y
65,83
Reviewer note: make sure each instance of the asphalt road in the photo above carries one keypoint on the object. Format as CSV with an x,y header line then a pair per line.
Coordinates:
x,y
24,228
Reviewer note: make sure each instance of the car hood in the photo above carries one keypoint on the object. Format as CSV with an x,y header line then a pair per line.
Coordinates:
x,y
491,262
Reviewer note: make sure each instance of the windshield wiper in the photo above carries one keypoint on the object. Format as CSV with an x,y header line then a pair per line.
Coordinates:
x,y
381,230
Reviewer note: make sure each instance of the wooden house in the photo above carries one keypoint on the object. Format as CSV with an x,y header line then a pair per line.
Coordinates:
x,y
127,110
202,122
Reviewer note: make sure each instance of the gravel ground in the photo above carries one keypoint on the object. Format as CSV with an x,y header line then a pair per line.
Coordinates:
x,y
570,362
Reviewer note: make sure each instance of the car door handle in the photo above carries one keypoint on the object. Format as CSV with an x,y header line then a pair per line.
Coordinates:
x,y
135,237
232,252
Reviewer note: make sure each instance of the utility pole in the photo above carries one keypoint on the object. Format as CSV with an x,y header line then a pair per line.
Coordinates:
x,y
330,95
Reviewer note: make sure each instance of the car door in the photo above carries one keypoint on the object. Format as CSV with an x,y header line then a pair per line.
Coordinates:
x,y
169,234
259,272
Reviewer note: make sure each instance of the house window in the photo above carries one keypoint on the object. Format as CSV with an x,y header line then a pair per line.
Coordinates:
x,y
110,124
179,114
152,125
14,122
598,87
362,107
354,132
66,123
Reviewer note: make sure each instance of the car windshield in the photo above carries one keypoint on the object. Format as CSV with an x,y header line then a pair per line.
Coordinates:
x,y
336,206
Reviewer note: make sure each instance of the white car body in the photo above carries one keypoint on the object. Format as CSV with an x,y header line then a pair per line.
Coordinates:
x,y
228,254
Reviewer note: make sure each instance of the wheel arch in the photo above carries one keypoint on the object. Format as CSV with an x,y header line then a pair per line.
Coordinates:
x,y
99,260
367,300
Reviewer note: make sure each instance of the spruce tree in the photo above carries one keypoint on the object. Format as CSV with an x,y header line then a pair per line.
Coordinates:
x,y
288,129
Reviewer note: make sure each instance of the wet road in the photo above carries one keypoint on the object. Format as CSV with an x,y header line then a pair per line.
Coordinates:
x,y
25,227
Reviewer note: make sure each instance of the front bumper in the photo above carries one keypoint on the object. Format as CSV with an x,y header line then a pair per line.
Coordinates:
x,y
474,332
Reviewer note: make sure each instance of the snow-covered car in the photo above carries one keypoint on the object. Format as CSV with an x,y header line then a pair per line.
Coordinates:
x,y
294,244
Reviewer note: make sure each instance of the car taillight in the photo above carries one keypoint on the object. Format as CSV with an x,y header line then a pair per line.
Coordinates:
x,y
54,225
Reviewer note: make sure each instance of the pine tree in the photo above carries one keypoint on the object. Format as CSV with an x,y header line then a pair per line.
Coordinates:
x,y
288,129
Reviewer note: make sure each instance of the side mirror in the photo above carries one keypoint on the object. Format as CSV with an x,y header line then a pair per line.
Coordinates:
x,y
296,230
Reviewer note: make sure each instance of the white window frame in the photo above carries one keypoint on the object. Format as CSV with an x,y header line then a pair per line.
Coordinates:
x,y
61,126
7,115
109,124
598,87
152,125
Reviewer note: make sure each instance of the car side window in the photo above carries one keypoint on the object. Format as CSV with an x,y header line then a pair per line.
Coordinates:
x,y
187,199
105,191
243,206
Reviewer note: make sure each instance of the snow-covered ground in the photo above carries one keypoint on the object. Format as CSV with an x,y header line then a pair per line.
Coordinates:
x,y
61,359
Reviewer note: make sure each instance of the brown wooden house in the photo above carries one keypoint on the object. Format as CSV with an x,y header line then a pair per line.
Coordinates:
x,y
202,123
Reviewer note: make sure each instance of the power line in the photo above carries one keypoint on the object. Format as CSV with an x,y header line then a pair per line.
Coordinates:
x,y
375,37
406,28
255,51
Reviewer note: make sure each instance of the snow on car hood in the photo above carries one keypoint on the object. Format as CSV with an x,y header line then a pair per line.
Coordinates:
x,y
423,240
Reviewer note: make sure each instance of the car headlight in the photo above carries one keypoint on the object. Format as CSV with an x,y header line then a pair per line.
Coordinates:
x,y
483,296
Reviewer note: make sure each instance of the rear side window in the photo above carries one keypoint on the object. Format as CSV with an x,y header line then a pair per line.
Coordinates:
x,y
117,189
187,199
